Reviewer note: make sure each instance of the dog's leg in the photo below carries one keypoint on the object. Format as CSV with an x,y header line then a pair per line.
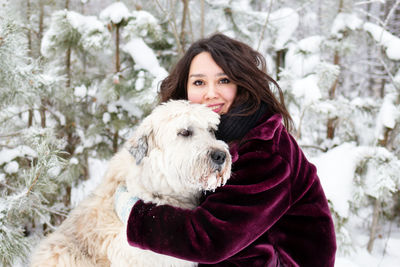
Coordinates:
x,y
57,251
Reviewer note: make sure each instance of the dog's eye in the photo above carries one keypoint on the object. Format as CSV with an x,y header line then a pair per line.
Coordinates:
x,y
185,133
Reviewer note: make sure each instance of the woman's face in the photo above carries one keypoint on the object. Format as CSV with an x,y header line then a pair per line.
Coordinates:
x,y
209,85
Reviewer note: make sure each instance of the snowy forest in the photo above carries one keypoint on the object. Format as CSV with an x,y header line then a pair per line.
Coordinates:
x,y
76,76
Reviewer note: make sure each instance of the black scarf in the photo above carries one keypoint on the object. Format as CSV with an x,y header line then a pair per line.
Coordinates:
x,y
234,127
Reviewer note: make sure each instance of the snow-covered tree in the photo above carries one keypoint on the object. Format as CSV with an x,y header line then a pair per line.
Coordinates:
x,y
31,163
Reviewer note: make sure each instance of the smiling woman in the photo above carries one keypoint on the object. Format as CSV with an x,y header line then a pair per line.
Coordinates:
x,y
272,211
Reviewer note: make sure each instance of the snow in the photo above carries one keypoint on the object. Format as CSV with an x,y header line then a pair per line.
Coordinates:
x,y
397,79
74,161
94,34
84,24
115,13
106,117
7,155
80,91
303,57
112,108
144,18
285,21
338,182
130,106
97,169
146,59
54,172
11,167
139,84
384,254
344,21
390,42
307,89
337,172
310,44
387,116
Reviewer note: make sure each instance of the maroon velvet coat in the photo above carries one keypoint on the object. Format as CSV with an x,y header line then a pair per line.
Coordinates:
x,y
272,212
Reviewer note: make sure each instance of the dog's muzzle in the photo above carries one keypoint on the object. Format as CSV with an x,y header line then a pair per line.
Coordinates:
x,y
218,158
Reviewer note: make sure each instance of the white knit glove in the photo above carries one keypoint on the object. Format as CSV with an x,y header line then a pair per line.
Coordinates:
x,y
123,203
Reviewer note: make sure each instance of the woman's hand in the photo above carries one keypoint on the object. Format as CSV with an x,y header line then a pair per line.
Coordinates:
x,y
123,203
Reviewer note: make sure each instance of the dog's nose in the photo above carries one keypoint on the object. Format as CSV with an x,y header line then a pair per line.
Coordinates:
x,y
218,156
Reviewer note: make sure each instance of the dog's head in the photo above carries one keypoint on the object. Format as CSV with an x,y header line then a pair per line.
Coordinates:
x,y
176,142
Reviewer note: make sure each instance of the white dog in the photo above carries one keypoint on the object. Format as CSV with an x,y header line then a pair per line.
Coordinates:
x,y
171,159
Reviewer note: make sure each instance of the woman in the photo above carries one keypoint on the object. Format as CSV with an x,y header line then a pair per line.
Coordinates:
x,y
272,211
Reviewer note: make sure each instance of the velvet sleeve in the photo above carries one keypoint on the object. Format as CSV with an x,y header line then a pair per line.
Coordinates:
x,y
230,219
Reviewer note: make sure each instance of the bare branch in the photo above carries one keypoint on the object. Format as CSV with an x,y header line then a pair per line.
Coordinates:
x,y
202,19
172,23
264,26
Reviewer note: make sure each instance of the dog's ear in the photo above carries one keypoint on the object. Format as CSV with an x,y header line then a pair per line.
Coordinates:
x,y
139,149
139,145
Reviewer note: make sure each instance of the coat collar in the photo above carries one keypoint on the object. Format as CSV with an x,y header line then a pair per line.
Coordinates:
x,y
265,130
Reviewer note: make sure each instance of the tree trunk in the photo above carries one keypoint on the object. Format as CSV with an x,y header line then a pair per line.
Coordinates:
x,y
30,117
28,18
202,19
68,67
43,115
41,17
29,33
117,70
332,122
279,62
331,125
117,63
115,141
374,226
182,36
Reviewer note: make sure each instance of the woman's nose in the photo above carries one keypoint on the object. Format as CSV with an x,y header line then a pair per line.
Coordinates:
x,y
211,92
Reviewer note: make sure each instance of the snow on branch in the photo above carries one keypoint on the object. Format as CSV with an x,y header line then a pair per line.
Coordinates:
x,y
390,42
338,169
115,13
69,29
388,114
344,21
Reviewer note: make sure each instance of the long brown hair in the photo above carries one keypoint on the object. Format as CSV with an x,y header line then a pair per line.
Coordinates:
x,y
242,64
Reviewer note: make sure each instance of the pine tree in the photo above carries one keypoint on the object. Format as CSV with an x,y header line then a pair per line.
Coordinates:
x,y
31,166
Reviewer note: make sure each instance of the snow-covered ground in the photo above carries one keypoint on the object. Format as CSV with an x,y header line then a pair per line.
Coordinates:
x,y
386,251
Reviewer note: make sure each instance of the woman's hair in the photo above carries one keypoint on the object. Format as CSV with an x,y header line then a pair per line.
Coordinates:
x,y
243,65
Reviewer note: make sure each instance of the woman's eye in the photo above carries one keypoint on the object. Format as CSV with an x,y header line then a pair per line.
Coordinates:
x,y
224,81
198,83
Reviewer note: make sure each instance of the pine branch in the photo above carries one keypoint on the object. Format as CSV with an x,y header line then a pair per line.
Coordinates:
x,y
35,180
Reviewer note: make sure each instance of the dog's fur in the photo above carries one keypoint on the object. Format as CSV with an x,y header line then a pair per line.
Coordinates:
x,y
169,160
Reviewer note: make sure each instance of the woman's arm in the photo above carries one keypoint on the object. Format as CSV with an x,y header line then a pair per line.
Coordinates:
x,y
257,195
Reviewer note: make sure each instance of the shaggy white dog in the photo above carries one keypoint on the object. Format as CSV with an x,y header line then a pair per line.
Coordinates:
x,y
171,159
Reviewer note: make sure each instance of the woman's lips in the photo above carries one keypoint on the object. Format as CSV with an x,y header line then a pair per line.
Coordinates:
x,y
216,107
